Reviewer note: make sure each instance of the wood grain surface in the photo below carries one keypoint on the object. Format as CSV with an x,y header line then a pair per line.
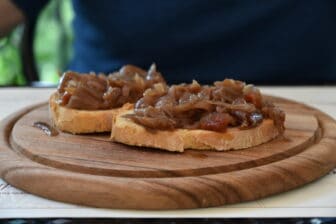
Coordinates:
x,y
91,170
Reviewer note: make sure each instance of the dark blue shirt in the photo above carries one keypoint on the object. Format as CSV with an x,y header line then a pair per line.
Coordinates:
x,y
273,41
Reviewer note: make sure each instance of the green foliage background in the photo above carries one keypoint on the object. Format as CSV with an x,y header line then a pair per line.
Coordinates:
x,y
52,46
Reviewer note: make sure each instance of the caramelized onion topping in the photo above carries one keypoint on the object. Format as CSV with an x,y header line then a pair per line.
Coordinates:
x,y
227,103
101,92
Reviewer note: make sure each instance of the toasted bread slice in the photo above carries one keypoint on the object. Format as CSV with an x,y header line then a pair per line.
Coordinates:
x,y
82,121
128,132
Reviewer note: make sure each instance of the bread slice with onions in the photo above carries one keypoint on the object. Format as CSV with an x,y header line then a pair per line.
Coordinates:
x,y
225,116
86,103
77,121
128,132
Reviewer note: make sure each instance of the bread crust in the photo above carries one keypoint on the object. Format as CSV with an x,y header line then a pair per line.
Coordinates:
x,y
81,121
128,132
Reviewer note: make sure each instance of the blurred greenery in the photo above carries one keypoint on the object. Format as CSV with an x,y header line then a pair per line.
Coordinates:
x,y
52,46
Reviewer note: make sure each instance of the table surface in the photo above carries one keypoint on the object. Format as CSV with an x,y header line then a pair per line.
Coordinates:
x,y
317,199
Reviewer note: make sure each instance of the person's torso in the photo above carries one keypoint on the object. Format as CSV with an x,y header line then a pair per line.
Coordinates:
x,y
275,41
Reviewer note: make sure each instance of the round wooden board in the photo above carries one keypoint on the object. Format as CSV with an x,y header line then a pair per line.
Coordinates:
x,y
91,170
